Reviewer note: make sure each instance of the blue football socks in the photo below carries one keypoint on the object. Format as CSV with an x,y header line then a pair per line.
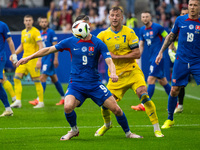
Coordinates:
x,y
172,102
71,118
167,88
122,120
59,88
150,90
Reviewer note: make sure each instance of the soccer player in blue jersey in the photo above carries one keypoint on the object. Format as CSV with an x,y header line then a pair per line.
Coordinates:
x,y
5,36
171,52
187,61
84,79
152,34
49,62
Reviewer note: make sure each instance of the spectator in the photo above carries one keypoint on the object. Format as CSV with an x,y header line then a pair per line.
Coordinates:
x,y
131,21
23,4
102,8
65,17
130,6
65,4
94,19
13,3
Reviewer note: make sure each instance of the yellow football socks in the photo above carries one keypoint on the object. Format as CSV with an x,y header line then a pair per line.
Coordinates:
x,y
8,87
150,108
18,87
106,113
39,90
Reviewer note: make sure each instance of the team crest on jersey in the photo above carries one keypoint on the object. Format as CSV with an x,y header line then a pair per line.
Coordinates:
x,y
91,51
29,35
147,34
191,26
197,27
84,49
151,32
117,46
116,37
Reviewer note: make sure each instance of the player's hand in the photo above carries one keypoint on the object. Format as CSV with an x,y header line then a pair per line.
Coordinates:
x,y
13,58
171,55
22,61
158,58
113,55
55,62
114,77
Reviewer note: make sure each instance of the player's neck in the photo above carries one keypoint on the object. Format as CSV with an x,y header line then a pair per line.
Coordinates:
x,y
194,17
148,25
118,28
88,37
28,28
44,30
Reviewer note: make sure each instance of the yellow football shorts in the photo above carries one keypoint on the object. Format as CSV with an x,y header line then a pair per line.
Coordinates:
x,y
29,67
130,79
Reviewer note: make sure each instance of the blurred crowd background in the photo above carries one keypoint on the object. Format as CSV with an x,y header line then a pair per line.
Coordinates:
x,y
61,13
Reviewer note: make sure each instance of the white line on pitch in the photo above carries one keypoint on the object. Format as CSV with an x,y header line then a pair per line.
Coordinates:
x,y
132,126
187,95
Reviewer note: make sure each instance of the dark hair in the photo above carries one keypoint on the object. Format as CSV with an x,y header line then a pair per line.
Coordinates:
x,y
43,17
146,11
28,16
184,8
116,8
82,17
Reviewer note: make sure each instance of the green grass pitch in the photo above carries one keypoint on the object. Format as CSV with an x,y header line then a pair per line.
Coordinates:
x,y
36,129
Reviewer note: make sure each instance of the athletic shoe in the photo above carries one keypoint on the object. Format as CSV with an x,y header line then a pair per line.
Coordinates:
x,y
39,105
167,124
62,101
7,113
16,104
178,110
133,135
34,102
102,130
158,133
139,107
69,135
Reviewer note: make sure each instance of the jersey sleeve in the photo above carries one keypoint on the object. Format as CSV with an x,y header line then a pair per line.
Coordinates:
x,y
37,36
175,28
6,31
104,50
133,40
62,45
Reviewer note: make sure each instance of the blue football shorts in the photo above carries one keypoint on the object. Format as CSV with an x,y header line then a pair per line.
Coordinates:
x,y
97,91
48,67
157,70
182,70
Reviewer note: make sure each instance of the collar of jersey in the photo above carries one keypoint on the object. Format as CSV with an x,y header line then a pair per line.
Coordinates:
x,y
116,31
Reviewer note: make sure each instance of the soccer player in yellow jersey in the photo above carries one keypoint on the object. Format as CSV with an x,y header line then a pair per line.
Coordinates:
x,y
31,42
8,87
122,43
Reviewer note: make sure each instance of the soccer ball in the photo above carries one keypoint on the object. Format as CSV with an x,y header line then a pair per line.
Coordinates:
x,y
80,29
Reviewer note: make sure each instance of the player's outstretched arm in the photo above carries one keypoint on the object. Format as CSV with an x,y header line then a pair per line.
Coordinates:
x,y
168,40
134,54
43,52
13,56
111,67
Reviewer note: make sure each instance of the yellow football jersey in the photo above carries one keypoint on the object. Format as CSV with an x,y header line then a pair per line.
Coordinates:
x,y
29,41
121,43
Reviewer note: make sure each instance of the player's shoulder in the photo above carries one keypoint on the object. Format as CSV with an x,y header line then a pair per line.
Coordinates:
x,y
156,25
50,30
2,23
127,30
34,29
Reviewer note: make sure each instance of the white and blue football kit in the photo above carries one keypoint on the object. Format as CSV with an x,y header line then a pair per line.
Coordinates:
x,y
154,40
188,51
84,77
48,38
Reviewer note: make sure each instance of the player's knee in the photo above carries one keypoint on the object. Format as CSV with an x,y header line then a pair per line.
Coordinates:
x,y
117,111
68,108
42,79
141,90
174,91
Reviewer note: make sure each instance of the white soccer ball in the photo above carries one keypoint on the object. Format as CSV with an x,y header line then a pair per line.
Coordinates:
x,y
80,29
